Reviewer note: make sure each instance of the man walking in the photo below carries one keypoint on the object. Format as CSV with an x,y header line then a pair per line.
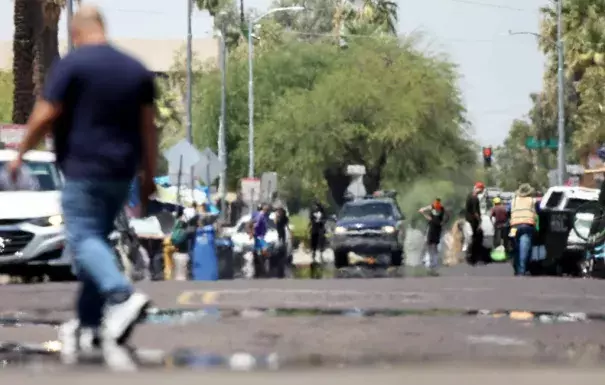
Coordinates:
x,y
100,104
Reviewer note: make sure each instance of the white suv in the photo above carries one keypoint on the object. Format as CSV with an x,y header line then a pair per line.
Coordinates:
x,y
31,224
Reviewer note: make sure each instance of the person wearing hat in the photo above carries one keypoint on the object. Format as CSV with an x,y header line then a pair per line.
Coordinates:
x,y
499,216
473,237
523,214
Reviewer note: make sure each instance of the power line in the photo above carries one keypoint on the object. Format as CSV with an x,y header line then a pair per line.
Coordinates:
x,y
492,5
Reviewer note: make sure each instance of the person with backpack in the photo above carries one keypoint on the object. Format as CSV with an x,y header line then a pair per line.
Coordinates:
x,y
180,239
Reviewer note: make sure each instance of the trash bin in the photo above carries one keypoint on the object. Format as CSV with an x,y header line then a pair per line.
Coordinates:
x,y
555,226
224,253
204,266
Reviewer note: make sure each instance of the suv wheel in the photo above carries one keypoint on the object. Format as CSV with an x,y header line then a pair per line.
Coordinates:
x,y
341,259
397,258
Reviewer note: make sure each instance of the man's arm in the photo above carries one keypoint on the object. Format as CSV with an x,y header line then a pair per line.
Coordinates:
x,y
423,211
149,133
49,107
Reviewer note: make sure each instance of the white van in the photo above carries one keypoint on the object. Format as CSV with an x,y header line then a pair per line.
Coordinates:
x,y
31,224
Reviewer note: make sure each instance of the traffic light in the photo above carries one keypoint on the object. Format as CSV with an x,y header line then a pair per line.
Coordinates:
x,y
487,157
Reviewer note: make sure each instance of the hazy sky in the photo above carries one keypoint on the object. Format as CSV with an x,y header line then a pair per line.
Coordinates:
x,y
497,71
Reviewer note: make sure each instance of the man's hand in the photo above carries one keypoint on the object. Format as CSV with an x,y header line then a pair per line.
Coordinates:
x,y
13,168
147,189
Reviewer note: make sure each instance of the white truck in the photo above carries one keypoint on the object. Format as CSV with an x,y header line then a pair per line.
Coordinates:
x,y
31,224
566,198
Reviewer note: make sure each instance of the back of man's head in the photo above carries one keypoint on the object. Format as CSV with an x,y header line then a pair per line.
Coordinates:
x,y
88,25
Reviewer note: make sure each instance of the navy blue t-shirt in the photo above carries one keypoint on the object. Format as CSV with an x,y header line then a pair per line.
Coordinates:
x,y
102,91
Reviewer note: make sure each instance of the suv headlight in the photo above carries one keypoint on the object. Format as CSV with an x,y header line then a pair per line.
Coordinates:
x,y
54,220
340,230
388,229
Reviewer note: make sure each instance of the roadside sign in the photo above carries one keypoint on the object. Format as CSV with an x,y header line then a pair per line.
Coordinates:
x,y
356,169
357,188
209,167
251,189
268,181
182,155
532,143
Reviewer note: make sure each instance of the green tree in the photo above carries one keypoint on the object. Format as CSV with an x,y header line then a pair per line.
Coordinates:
x,y
6,97
277,72
515,164
339,17
584,42
401,116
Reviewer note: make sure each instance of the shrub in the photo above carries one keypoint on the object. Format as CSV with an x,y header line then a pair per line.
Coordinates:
x,y
299,226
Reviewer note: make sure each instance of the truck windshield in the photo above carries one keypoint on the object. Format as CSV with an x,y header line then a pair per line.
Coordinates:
x,y
36,176
360,210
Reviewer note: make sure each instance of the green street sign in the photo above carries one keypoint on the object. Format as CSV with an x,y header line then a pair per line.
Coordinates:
x,y
532,143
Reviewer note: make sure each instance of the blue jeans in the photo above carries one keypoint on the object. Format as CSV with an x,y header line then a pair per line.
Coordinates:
x,y
89,210
523,246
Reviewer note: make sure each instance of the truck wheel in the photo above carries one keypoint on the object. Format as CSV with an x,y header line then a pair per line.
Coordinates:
x,y
341,259
397,258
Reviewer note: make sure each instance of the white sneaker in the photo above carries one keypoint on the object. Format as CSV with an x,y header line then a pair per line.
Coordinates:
x,y
75,340
119,319
118,358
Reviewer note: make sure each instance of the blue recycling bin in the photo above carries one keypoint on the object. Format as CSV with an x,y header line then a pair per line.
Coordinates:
x,y
204,266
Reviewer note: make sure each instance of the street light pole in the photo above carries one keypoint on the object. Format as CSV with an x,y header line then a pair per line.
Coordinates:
x,y
70,15
251,23
250,100
561,96
189,72
561,166
222,147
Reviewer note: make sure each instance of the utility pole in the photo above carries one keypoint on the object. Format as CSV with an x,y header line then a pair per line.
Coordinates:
x,y
561,96
70,15
222,148
250,99
189,71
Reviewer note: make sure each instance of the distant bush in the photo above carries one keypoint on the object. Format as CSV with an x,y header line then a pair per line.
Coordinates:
x,y
423,192
299,225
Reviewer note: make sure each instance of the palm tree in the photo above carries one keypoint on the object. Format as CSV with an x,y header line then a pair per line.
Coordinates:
x,y
23,52
46,48
212,6
382,13
242,14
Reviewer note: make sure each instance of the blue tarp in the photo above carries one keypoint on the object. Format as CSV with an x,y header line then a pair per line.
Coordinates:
x,y
163,181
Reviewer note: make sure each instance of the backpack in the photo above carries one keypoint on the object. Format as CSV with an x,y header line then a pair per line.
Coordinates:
x,y
178,236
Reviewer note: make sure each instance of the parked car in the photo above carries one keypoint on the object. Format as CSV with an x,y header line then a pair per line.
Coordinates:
x,y
241,239
31,224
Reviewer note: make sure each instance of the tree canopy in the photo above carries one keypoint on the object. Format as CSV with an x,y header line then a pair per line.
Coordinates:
x,y
584,58
318,108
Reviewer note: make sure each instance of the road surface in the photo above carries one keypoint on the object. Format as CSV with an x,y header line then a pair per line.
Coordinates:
x,y
385,376
468,317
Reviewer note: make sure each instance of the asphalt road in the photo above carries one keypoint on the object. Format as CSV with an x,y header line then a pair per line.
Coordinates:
x,y
470,316
426,376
